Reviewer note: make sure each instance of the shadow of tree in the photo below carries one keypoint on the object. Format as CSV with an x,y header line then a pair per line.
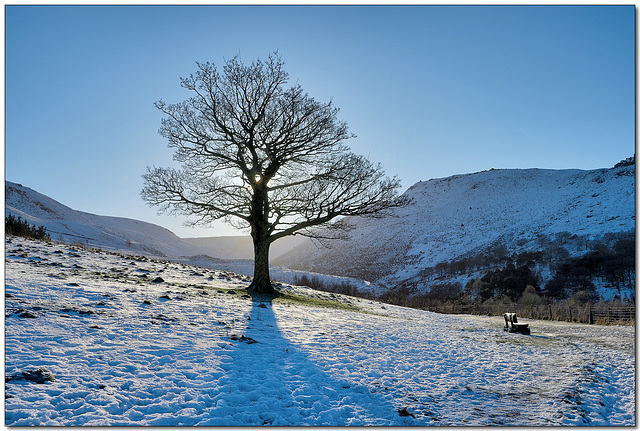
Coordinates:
x,y
271,381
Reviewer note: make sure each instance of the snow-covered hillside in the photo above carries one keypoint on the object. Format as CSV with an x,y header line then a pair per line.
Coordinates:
x,y
133,236
473,214
116,233
102,339
446,219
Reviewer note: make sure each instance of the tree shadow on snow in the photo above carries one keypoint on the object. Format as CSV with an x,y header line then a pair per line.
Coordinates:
x,y
270,381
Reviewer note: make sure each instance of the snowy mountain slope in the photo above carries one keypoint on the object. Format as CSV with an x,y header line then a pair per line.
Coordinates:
x,y
64,223
116,233
464,214
111,345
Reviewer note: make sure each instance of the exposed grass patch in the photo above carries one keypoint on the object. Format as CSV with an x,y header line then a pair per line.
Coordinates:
x,y
327,302
315,302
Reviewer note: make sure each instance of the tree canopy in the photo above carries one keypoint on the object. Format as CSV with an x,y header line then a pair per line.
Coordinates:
x,y
263,157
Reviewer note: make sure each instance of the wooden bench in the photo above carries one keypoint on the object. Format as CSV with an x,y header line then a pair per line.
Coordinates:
x,y
511,324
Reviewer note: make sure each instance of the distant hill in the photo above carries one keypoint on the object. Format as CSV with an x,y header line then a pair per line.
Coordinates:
x,y
242,246
474,217
116,233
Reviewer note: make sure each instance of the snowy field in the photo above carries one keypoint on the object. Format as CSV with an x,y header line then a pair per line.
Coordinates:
x,y
132,341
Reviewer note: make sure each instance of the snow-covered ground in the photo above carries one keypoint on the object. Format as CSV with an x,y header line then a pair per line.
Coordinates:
x,y
126,348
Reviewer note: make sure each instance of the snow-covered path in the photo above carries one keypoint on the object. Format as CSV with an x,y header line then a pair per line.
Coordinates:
x,y
193,349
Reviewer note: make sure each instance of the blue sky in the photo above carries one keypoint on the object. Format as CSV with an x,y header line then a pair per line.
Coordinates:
x,y
430,91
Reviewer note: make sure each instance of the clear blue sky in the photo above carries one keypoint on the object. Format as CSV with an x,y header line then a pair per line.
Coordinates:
x,y
430,91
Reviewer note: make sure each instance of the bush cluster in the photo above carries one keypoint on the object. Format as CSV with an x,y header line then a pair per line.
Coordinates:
x,y
343,287
615,264
510,282
439,294
18,227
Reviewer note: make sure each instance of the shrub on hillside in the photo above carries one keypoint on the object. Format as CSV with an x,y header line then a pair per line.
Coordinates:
x,y
19,227
343,287
530,297
614,263
510,282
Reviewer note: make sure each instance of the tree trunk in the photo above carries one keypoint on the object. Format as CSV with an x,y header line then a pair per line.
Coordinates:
x,y
260,234
261,279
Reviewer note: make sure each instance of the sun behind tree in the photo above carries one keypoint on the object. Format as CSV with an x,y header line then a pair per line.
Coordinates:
x,y
263,157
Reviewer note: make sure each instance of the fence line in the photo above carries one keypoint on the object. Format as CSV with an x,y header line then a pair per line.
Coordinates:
x,y
592,314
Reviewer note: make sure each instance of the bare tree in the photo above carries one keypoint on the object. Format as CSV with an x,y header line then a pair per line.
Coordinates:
x,y
264,158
